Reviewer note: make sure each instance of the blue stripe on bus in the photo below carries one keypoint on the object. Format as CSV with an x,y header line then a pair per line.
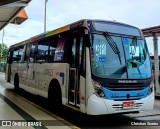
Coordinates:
x,y
125,95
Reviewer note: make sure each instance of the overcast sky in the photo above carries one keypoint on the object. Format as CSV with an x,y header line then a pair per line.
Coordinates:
x,y
139,13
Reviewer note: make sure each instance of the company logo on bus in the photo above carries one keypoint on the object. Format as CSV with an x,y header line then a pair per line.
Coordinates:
x,y
127,81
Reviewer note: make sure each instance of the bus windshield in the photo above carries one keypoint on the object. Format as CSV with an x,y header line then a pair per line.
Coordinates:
x,y
132,61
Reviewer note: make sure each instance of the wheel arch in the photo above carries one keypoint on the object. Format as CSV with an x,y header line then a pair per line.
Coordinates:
x,y
54,85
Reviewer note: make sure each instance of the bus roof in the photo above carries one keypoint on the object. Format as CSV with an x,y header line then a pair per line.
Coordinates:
x,y
82,23
53,32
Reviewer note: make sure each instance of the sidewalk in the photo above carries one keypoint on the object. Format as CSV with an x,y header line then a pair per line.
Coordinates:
x,y
18,110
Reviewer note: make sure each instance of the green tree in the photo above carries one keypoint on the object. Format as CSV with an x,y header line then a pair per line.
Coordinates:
x,y
5,52
3,49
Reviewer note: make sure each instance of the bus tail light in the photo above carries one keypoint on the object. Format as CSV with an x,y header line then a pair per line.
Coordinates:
x,y
98,89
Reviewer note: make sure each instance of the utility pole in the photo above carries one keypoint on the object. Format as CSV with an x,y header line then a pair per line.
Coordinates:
x,y
45,11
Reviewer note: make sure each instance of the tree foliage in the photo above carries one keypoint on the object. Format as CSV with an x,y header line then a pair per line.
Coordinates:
x,y
3,49
5,52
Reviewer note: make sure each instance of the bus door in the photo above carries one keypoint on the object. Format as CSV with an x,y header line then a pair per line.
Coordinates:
x,y
75,68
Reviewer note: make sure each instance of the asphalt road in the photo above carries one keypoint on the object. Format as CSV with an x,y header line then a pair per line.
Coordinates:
x,y
148,119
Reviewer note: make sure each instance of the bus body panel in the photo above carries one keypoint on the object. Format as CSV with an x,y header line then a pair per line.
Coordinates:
x,y
40,76
97,106
14,70
89,86
83,98
45,72
24,82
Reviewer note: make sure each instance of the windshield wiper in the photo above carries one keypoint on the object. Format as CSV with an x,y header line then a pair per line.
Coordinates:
x,y
113,45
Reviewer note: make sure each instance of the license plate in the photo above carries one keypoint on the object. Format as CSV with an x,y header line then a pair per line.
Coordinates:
x,y
128,104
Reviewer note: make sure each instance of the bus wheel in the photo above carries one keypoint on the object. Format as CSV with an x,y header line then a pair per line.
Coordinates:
x,y
54,96
16,83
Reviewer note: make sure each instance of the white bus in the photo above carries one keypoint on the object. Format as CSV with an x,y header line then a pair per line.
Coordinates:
x,y
96,67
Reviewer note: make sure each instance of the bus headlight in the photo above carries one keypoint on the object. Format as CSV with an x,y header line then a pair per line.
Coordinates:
x,y
98,89
151,88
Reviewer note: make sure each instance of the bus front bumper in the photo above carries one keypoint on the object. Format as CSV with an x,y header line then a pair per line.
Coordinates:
x,y
101,106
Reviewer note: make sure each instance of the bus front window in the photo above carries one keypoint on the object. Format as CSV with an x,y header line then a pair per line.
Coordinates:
x,y
137,58
105,62
132,61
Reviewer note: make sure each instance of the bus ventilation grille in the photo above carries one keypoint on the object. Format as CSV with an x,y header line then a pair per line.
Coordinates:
x,y
126,87
119,107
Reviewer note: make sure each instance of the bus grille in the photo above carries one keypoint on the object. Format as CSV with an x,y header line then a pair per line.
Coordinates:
x,y
126,86
119,107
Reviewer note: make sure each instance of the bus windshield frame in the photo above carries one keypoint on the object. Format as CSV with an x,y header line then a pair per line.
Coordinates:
x,y
133,61
117,28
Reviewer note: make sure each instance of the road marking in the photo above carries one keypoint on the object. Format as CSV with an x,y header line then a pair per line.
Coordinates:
x,y
48,112
21,112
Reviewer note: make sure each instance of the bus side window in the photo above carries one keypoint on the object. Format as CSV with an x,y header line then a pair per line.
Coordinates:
x,y
42,53
56,50
52,51
20,54
82,57
15,55
80,51
32,52
73,64
59,53
26,56
23,54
